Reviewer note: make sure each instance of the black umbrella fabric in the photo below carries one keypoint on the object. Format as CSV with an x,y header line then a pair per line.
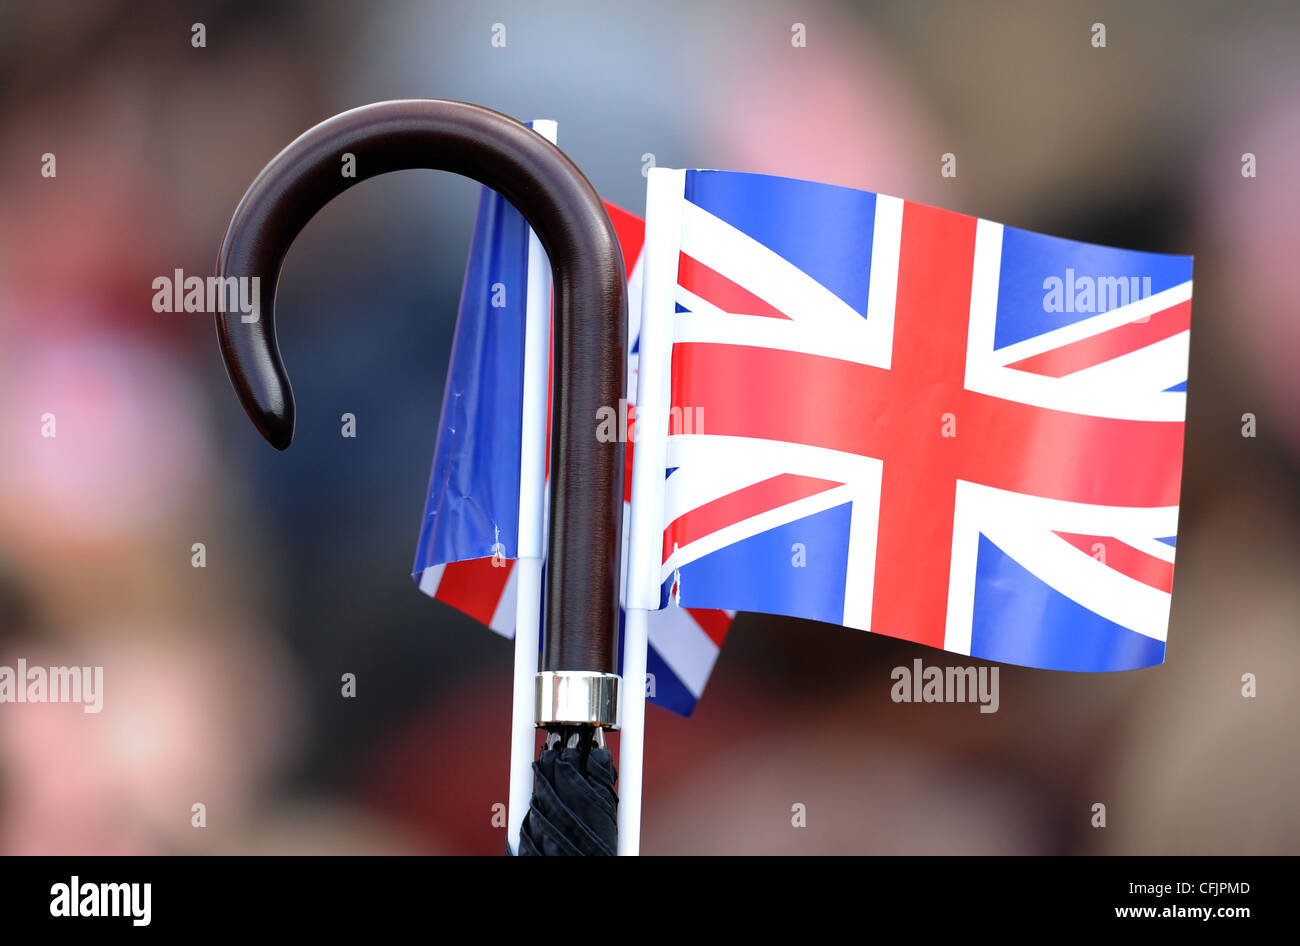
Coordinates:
x,y
574,812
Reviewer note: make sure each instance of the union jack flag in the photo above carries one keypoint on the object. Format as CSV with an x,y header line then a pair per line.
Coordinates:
x,y
919,423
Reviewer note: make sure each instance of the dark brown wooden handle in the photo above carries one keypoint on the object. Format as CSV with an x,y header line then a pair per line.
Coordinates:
x,y
590,320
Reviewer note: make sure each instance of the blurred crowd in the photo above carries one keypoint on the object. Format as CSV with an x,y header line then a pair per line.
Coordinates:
x,y
223,682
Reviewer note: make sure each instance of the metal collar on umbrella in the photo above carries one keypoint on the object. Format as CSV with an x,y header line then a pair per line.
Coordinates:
x,y
574,804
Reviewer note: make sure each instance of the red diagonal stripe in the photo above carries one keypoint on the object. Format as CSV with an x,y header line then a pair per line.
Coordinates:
x,y
474,587
1125,559
743,503
717,289
713,623
631,234
1058,362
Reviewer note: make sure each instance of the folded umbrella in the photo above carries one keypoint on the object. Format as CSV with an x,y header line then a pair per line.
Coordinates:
x,y
578,685
574,808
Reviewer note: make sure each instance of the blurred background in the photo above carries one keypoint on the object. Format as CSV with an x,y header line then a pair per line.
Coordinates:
x,y
222,683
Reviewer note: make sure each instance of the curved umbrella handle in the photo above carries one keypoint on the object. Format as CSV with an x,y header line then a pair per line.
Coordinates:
x,y
589,337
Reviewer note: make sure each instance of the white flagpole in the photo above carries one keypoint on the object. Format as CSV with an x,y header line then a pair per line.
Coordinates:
x,y
532,525
631,744
664,190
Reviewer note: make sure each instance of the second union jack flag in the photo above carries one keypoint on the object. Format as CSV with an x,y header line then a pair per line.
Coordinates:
x,y
469,534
